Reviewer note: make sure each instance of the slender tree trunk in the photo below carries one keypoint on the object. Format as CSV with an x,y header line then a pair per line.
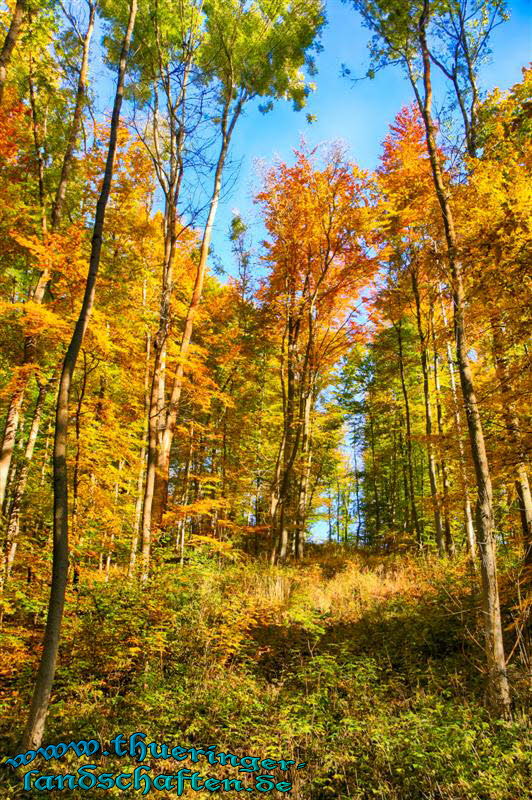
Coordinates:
x,y
449,543
513,432
496,663
170,182
392,482
436,505
157,414
338,512
374,477
180,537
329,515
9,437
16,400
306,458
38,148
13,32
411,484
291,443
68,156
357,496
276,482
45,456
44,681
77,457
112,537
406,493
142,459
159,464
19,487
471,538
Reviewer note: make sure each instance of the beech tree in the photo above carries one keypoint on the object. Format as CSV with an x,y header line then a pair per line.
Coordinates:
x,y
316,219
43,684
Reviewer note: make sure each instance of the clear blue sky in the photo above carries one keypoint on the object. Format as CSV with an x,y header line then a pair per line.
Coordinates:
x,y
357,113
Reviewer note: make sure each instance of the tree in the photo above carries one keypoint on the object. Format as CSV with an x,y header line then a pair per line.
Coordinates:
x,y
40,73
401,35
13,32
43,685
317,220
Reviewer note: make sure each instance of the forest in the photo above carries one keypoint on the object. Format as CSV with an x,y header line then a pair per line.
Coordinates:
x,y
276,500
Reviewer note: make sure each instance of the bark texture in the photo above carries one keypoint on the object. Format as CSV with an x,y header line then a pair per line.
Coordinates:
x,y
13,33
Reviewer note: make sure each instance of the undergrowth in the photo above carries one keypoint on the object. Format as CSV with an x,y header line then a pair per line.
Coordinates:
x,y
369,669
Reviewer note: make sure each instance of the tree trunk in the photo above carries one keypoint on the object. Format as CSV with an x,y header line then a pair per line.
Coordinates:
x,y
428,417
43,685
77,457
38,148
155,489
449,543
10,434
291,443
357,496
374,477
159,462
306,457
170,180
68,156
142,459
513,432
180,537
411,484
19,487
471,538
10,41
497,677
16,400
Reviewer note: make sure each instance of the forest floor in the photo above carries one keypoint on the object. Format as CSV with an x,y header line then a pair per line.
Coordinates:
x,y
367,668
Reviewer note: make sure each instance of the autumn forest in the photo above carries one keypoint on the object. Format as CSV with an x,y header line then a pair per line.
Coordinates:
x,y
279,501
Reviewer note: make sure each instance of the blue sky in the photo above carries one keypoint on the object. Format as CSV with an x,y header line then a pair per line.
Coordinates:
x,y
359,114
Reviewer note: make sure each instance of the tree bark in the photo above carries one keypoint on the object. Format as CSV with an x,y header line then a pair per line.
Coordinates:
x,y
449,543
374,481
13,32
8,439
19,487
471,538
411,484
16,400
142,459
170,179
436,505
306,463
498,686
290,441
177,387
513,432
44,681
